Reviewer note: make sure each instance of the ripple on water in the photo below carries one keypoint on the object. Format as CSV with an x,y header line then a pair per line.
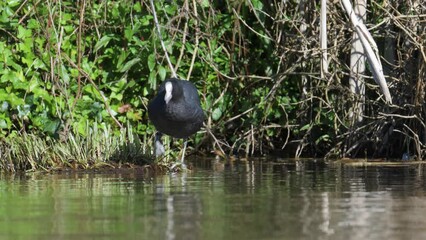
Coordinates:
x,y
219,200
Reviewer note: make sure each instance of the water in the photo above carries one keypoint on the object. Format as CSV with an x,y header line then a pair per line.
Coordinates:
x,y
247,200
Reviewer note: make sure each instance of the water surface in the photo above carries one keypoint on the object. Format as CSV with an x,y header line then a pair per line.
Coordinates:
x,y
239,200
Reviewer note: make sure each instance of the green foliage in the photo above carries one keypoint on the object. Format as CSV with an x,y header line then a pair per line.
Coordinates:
x,y
96,147
59,74
65,66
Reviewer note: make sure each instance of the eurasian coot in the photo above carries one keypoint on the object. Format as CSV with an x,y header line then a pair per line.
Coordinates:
x,y
175,111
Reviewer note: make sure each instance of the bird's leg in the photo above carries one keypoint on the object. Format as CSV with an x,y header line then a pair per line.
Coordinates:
x,y
185,142
158,145
182,159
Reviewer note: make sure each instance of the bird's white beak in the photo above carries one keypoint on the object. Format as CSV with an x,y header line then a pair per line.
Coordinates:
x,y
169,88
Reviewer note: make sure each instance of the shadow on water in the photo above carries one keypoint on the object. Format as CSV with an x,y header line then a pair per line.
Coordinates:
x,y
219,200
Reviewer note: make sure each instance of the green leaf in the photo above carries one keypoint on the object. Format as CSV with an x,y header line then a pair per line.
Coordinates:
x,y
146,20
130,84
205,3
24,110
26,46
151,62
152,80
32,85
120,85
33,24
257,4
9,76
102,42
39,64
162,72
23,33
4,106
3,124
128,33
64,74
92,92
117,96
66,17
50,126
129,64
137,7
216,114
306,127
170,9
323,138
145,91
121,58
13,3
169,46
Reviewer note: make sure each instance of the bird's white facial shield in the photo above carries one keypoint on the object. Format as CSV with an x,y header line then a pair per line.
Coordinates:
x,y
169,89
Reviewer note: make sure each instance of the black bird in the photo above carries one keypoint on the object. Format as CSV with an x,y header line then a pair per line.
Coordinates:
x,y
175,111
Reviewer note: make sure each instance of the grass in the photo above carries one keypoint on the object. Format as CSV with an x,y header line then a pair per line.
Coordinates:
x,y
98,147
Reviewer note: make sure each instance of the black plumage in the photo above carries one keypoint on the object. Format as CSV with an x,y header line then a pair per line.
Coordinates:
x,y
176,111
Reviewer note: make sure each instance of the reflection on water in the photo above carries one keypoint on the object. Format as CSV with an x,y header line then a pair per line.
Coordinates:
x,y
247,200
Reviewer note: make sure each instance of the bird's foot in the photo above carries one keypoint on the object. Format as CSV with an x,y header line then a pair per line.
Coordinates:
x,y
178,167
159,148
